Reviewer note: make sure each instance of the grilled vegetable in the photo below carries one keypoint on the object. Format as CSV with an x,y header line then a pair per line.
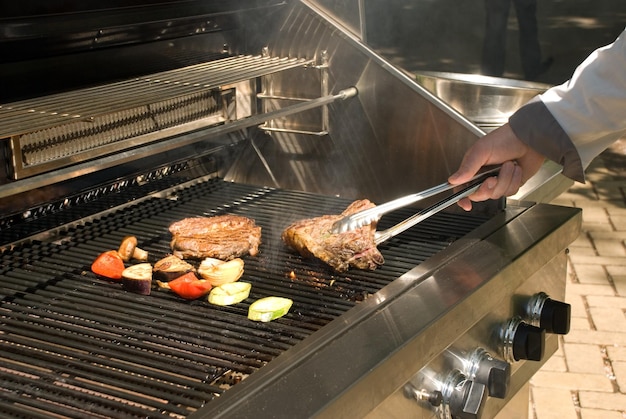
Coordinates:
x,y
269,308
171,267
218,272
138,278
109,265
128,250
231,293
188,286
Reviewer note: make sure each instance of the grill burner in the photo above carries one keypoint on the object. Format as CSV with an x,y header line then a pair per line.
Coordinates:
x,y
73,344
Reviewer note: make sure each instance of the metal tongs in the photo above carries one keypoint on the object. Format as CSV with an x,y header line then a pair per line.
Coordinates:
x,y
368,216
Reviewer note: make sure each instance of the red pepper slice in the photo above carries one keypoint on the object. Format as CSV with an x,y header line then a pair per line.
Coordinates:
x,y
109,265
188,286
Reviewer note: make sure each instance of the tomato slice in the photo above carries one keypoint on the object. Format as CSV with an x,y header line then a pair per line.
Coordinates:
x,y
188,286
109,265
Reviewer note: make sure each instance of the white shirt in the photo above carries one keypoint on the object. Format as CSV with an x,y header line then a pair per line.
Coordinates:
x,y
585,115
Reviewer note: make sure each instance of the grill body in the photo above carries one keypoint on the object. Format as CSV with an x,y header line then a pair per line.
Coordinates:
x,y
203,109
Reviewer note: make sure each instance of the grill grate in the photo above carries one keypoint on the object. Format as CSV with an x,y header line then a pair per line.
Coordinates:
x,y
73,345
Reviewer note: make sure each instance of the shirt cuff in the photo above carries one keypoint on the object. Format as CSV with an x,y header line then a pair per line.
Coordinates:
x,y
535,126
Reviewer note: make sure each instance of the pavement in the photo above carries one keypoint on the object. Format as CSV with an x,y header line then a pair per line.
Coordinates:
x,y
586,378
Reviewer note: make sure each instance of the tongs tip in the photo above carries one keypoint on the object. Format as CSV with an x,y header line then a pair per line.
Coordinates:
x,y
348,223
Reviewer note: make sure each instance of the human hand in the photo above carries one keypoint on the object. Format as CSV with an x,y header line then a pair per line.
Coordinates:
x,y
501,146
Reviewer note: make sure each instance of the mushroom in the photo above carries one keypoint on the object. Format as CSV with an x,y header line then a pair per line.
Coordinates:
x,y
171,267
128,250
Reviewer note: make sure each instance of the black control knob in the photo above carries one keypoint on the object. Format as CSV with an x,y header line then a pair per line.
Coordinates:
x,y
528,342
522,341
466,402
551,315
495,374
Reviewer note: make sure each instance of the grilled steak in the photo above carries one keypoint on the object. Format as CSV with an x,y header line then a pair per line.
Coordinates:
x,y
312,238
222,237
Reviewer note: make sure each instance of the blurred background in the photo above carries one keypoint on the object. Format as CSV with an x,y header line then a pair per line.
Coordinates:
x,y
447,35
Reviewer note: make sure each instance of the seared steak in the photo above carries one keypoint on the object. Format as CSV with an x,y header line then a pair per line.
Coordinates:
x,y
312,238
222,237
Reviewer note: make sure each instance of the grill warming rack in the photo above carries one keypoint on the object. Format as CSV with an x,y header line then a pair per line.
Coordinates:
x,y
66,128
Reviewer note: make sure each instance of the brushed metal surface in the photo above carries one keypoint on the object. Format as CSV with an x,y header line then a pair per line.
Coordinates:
x,y
482,99
394,138
357,361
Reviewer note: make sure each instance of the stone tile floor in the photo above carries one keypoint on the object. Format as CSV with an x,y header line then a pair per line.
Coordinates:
x,y
586,378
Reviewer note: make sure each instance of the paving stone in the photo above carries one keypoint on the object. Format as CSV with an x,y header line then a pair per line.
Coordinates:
x,y
606,302
600,400
580,323
610,248
610,203
619,369
550,403
618,236
600,260
608,192
592,215
578,308
562,201
617,214
576,195
573,289
573,381
619,223
616,353
620,284
597,226
584,358
596,337
591,273
556,363
600,414
609,319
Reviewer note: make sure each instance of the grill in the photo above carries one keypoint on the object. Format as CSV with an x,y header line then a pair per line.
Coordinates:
x,y
157,356
277,111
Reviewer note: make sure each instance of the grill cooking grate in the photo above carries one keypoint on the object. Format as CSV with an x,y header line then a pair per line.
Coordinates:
x,y
73,345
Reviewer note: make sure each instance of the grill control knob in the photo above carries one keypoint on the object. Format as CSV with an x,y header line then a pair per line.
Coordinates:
x,y
464,397
548,314
494,373
522,341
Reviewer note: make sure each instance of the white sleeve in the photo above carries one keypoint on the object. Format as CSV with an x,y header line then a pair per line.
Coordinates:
x,y
591,106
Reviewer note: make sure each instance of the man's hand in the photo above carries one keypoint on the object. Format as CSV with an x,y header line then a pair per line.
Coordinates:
x,y
501,146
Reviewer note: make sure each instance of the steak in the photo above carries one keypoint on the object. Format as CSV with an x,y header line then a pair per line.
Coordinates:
x,y
313,238
222,237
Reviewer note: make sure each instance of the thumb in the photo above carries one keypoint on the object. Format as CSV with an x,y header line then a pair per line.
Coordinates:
x,y
471,164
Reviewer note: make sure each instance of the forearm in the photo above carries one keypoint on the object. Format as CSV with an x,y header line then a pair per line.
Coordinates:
x,y
534,125
574,122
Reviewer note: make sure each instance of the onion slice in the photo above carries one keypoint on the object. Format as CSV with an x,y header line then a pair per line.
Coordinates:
x,y
231,293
